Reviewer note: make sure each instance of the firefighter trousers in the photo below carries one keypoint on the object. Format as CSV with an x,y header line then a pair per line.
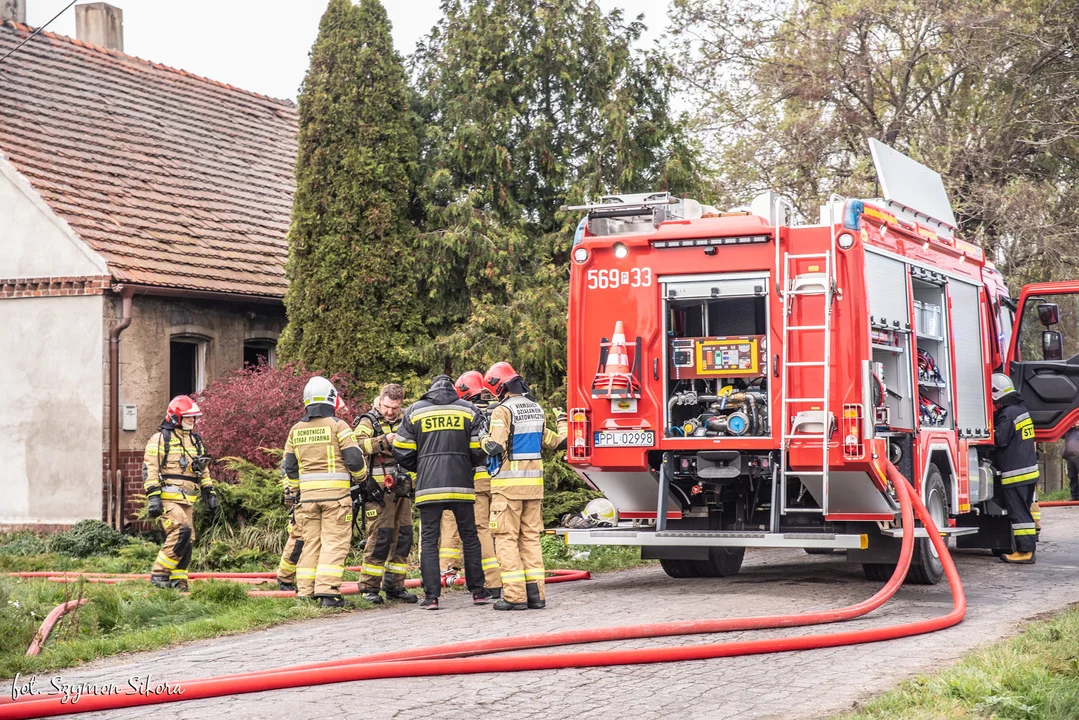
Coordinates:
x,y
175,555
290,556
326,532
431,528
517,526
388,544
449,546
1016,500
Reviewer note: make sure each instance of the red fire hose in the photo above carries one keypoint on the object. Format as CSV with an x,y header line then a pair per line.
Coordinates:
x,y
51,619
1058,503
453,659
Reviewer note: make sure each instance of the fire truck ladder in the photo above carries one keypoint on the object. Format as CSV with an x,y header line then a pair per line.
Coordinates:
x,y
797,420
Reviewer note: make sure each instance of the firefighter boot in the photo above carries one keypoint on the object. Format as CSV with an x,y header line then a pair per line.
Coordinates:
x,y
534,601
161,581
286,587
1019,558
373,597
400,594
332,601
494,593
503,605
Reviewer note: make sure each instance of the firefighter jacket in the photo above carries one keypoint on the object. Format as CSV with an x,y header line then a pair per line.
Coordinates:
x,y
371,431
1016,457
322,460
439,440
175,465
519,434
481,476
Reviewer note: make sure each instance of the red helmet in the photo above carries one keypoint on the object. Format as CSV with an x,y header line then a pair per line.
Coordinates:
x,y
181,406
469,385
497,376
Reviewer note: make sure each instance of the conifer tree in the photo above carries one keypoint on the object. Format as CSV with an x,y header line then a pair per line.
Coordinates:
x,y
352,276
528,106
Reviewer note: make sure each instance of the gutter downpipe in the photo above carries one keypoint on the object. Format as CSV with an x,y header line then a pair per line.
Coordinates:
x,y
116,482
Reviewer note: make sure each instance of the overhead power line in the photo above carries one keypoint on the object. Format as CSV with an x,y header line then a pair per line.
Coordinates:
x,y
36,32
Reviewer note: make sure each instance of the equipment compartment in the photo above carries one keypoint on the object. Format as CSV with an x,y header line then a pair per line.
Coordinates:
x,y
717,356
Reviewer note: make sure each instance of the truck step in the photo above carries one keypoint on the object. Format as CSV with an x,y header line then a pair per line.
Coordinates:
x,y
715,538
920,532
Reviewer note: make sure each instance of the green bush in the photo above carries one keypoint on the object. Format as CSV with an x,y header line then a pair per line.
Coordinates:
x,y
88,537
22,543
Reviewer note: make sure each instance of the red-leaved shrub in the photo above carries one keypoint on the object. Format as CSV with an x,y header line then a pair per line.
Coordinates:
x,y
254,408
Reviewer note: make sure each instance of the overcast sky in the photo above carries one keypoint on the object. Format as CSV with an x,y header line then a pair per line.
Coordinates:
x,y
258,45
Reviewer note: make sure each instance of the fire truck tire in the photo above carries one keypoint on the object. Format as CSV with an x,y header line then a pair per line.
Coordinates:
x,y
721,562
679,568
926,568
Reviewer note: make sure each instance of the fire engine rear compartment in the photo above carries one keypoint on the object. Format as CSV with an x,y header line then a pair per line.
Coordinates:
x,y
716,359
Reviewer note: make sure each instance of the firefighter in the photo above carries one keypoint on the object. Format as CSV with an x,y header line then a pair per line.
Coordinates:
x,y
388,510
175,470
290,555
470,389
518,434
1016,460
438,440
324,467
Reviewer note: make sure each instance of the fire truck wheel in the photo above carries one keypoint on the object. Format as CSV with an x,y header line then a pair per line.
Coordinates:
x,y
721,562
679,568
926,568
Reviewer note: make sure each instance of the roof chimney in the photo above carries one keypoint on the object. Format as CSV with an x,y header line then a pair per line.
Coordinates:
x,y
13,10
100,24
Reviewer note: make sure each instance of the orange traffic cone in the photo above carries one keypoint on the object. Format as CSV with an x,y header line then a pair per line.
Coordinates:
x,y
616,379
617,360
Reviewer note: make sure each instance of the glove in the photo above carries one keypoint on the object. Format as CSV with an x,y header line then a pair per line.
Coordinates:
x,y
559,415
290,499
154,508
210,498
374,492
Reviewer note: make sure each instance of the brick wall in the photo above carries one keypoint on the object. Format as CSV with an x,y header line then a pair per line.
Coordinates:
x,y
54,286
130,464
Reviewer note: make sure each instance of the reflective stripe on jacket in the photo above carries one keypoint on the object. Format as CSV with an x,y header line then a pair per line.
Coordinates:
x,y
437,439
322,459
518,430
1016,457
163,471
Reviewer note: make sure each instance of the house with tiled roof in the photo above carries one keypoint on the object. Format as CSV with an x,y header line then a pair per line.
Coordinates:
x,y
143,221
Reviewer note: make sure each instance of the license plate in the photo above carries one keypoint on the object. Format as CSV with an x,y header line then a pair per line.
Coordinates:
x,y
625,438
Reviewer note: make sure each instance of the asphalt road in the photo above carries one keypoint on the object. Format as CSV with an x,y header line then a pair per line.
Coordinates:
x,y
809,684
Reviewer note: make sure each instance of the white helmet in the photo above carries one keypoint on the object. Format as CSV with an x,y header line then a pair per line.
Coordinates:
x,y
1002,386
601,512
321,390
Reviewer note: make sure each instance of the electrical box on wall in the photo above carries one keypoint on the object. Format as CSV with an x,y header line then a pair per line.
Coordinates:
x,y
129,417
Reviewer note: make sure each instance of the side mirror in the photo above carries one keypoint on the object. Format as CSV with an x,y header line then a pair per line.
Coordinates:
x,y
1052,345
1048,314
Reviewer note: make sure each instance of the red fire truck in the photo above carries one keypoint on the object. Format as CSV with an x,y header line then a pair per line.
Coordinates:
x,y
735,380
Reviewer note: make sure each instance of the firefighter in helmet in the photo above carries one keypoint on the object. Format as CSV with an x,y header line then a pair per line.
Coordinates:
x,y
517,436
324,467
438,440
1016,460
470,389
175,470
388,509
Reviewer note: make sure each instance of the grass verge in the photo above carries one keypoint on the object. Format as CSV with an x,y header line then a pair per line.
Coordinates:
x,y
1034,676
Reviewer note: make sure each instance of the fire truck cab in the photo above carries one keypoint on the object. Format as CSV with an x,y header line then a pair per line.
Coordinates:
x,y
735,380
